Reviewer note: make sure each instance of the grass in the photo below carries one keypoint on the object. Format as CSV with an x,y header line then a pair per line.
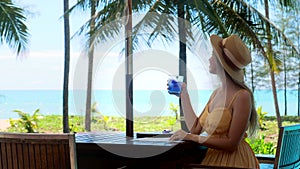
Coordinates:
x,y
264,142
270,130
53,124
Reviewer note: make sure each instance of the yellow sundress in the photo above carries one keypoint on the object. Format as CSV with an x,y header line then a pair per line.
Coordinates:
x,y
216,124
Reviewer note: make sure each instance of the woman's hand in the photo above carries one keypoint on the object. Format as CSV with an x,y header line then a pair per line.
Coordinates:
x,y
179,135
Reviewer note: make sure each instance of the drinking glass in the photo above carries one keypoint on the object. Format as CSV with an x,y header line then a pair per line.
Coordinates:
x,y
174,84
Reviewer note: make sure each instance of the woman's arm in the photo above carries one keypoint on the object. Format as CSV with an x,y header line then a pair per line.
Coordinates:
x,y
238,127
192,121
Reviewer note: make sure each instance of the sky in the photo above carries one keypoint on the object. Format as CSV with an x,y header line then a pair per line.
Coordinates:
x,y
42,66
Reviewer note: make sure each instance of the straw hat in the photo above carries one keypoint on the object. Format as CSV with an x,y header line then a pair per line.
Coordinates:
x,y
233,55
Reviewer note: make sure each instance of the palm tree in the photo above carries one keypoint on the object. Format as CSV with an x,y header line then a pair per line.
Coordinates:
x,y
129,69
297,14
182,52
88,4
93,4
210,16
66,68
181,25
272,64
241,18
288,68
256,30
13,29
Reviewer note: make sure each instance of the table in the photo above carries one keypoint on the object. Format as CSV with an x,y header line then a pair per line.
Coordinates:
x,y
111,150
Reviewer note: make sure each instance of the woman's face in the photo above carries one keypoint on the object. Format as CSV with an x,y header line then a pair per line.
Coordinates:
x,y
214,64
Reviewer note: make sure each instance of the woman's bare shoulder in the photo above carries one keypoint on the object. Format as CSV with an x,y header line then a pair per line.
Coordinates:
x,y
243,98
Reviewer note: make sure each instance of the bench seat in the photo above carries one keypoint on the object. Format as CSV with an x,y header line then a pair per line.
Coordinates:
x,y
37,151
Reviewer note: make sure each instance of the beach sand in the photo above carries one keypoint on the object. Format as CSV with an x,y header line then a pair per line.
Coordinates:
x,y
4,124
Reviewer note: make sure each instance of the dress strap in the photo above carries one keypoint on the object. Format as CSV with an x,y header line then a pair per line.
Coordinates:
x,y
212,96
205,110
234,97
208,102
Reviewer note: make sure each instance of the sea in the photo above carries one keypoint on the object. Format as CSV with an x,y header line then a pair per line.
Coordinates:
x,y
112,102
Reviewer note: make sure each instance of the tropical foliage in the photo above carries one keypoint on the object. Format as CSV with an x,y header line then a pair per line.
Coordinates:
x,y
27,123
260,146
210,16
264,143
261,116
221,17
13,30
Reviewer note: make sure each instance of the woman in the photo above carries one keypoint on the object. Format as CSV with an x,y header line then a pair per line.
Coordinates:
x,y
230,111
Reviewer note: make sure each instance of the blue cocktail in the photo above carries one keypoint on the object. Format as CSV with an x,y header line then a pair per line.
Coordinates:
x,y
174,84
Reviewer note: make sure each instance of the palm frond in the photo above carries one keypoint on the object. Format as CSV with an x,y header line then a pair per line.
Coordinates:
x,y
240,17
108,22
283,3
278,34
158,22
161,23
211,16
13,29
206,17
142,5
86,4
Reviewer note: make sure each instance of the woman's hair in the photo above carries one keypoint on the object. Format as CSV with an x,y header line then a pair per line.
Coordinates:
x,y
253,116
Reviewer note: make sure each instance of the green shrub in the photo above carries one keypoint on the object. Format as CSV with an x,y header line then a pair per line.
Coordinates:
x,y
174,108
99,118
261,118
259,146
26,123
293,119
76,124
172,121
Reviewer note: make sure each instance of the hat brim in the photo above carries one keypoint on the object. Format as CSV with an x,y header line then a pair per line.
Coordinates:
x,y
236,75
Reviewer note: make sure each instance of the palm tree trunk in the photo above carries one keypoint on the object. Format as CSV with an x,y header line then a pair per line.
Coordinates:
x,y
284,68
270,57
285,84
299,93
66,68
129,71
182,53
252,77
90,70
297,14
279,123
